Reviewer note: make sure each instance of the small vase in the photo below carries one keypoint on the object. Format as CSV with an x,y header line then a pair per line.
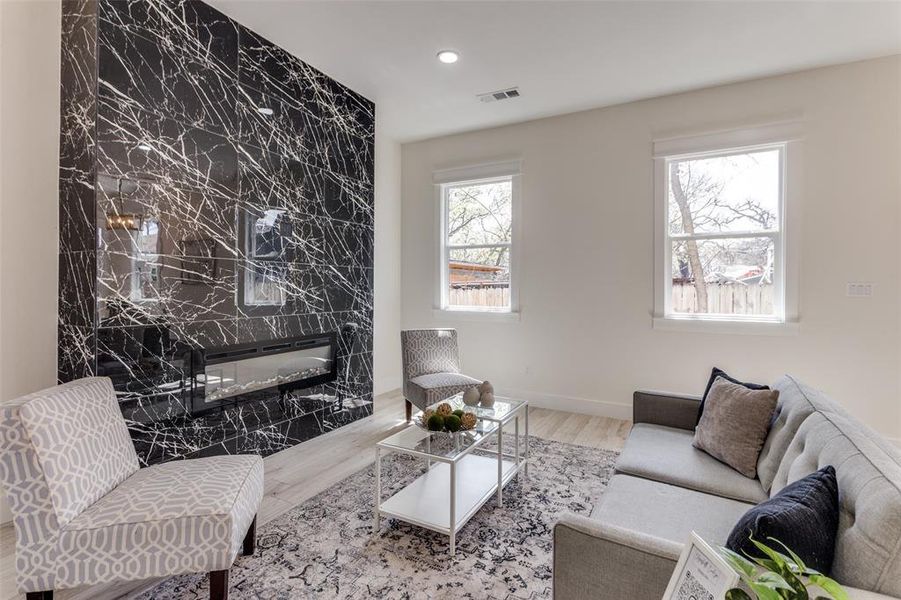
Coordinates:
x,y
471,396
487,399
486,387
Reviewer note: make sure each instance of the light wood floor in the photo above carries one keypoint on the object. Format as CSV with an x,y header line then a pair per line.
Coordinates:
x,y
299,473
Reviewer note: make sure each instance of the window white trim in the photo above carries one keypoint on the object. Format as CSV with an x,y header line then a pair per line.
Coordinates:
x,y
476,316
458,175
482,173
764,135
730,326
785,136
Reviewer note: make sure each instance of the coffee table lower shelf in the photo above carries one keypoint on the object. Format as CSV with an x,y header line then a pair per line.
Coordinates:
x,y
426,501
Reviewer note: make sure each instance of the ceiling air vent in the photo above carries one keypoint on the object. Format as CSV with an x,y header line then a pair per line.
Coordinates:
x,y
499,95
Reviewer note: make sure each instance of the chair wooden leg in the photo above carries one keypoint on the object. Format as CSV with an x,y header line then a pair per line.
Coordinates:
x,y
250,540
409,407
219,585
46,595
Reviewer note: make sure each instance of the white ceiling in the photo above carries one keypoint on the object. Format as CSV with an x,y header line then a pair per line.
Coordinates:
x,y
564,56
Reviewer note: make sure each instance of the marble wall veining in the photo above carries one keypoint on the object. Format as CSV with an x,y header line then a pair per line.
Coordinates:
x,y
245,178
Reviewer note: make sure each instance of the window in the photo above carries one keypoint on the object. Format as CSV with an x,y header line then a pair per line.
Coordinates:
x,y
266,272
145,263
721,216
477,256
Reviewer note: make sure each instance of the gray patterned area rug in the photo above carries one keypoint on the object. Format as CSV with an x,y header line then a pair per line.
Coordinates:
x,y
324,548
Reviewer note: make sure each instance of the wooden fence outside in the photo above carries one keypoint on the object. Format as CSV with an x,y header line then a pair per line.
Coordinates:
x,y
735,299
488,295
721,298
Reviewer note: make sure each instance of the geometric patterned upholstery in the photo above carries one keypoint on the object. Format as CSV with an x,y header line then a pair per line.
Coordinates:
x,y
81,441
428,352
29,500
177,517
426,390
80,522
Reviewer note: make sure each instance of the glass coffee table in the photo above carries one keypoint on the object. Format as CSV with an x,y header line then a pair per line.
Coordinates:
x,y
462,473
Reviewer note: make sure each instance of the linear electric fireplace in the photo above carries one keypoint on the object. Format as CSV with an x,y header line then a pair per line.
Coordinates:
x,y
223,375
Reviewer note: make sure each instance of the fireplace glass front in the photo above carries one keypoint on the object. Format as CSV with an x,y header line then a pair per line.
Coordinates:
x,y
230,373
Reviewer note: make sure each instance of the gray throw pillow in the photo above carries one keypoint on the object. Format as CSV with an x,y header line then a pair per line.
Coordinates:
x,y
735,424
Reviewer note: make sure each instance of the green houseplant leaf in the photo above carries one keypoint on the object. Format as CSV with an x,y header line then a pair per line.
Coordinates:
x,y
830,586
795,558
739,562
778,576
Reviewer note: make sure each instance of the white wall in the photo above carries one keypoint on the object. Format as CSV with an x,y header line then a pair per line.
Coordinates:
x,y
585,340
386,345
29,159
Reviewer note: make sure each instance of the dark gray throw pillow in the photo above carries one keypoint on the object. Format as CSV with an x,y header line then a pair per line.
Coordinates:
x,y
716,372
803,516
735,424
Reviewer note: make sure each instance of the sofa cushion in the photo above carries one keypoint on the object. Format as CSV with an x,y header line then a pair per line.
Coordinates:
x,y
81,442
667,511
796,402
665,454
178,517
717,373
426,390
803,516
735,423
868,544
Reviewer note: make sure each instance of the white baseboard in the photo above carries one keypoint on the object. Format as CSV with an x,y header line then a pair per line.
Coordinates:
x,y
582,406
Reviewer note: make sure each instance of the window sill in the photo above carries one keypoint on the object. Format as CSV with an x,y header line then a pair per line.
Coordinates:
x,y
689,325
496,316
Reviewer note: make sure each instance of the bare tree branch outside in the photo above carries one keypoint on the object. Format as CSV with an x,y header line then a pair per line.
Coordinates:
x,y
723,212
479,230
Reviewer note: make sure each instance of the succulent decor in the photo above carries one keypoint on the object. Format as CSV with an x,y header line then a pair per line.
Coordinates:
x,y
445,419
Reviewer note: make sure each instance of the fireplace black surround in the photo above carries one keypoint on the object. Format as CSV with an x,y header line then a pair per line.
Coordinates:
x,y
216,193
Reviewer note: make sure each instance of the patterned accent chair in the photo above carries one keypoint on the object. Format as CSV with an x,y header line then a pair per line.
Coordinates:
x,y
431,367
85,513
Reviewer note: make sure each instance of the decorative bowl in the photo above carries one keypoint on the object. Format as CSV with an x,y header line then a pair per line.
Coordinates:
x,y
446,420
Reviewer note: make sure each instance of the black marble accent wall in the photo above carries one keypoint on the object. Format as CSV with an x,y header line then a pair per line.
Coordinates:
x,y
214,190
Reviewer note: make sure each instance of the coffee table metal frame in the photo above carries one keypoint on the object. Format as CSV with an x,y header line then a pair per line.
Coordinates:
x,y
460,483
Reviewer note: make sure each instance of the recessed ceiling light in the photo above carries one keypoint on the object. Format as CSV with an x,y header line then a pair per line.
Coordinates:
x,y
145,147
448,56
263,110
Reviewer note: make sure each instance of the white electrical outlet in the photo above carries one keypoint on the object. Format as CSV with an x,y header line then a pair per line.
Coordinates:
x,y
860,289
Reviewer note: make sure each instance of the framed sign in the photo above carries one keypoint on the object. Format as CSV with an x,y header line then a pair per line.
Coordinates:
x,y
701,573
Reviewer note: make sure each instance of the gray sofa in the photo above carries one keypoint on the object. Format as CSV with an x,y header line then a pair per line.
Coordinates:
x,y
664,488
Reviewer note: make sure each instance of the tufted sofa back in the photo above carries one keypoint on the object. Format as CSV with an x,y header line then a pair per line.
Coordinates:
x,y
868,547
796,402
